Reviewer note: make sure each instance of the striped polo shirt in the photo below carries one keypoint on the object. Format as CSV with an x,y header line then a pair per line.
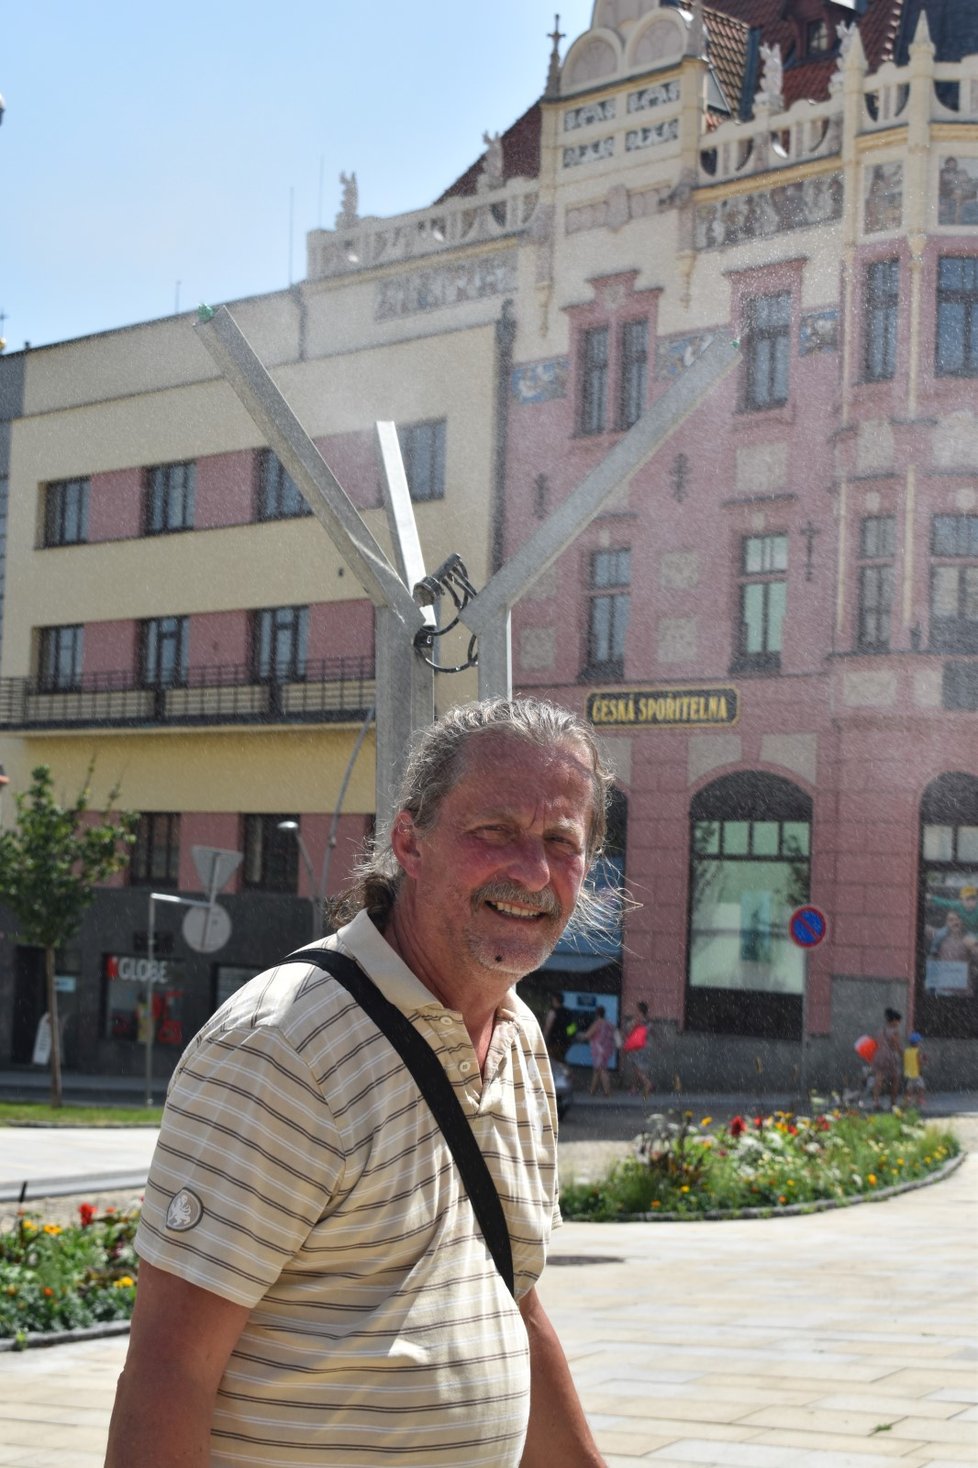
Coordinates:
x,y
300,1173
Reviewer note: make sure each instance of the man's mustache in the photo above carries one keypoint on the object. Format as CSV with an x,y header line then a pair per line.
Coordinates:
x,y
545,901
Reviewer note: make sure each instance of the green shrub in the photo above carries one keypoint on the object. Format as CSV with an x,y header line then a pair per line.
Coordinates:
x,y
770,1163
54,1278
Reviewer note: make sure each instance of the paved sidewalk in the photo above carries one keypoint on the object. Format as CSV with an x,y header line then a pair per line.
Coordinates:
x,y
839,1340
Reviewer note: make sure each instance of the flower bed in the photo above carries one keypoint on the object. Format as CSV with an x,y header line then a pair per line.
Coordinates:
x,y
686,1168
58,1278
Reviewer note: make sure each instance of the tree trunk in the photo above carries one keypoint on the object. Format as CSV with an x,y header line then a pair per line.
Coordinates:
x,y
55,1028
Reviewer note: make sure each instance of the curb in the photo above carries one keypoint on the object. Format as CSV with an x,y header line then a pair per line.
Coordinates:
x,y
817,1205
36,1338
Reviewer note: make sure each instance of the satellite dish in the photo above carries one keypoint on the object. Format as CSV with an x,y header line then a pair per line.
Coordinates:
x,y
205,929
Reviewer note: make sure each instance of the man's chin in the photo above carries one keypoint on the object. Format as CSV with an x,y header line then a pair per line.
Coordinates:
x,y
515,958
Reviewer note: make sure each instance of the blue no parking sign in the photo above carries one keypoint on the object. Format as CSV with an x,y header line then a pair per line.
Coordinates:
x,y
808,926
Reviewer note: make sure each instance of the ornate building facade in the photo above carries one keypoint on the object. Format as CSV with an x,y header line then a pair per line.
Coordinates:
x,y
774,623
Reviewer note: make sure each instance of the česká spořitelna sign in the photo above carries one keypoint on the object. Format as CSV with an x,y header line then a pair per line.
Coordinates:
x,y
664,708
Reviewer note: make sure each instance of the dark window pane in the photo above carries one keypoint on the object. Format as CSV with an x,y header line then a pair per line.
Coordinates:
x,y
594,380
634,371
423,452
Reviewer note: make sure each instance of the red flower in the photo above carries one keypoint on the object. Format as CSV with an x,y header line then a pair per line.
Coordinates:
x,y
87,1212
738,1126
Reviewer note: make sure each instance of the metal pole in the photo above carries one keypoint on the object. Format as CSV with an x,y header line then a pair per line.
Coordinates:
x,y
148,1020
334,823
293,826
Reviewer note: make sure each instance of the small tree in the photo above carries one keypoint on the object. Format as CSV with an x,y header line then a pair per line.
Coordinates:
x,y
49,867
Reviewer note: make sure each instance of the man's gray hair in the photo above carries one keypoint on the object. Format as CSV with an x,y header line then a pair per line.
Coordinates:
x,y
435,763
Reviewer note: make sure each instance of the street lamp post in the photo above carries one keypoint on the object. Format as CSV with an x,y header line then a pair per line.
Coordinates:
x,y
317,897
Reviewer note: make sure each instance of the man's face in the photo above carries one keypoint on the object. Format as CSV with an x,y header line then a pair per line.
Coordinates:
x,y
494,881
970,901
955,925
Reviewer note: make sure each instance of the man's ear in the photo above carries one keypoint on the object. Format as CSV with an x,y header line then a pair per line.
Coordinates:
x,y
404,843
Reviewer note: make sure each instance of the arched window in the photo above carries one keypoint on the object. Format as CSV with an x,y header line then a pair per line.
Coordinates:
x,y
947,944
749,869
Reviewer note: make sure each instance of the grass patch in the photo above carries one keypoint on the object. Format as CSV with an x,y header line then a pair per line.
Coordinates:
x,y
690,1167
38,1113
56,1279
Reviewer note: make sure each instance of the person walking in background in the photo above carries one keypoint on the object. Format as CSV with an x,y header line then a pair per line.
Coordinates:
x,y
637,1047
888,1060
914,1086
559,1027
600,1035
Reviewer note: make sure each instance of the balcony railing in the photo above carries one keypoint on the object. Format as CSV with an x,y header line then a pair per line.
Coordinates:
x,y
330,690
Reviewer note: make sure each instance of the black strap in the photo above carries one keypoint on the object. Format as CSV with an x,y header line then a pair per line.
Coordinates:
x,y
437,1091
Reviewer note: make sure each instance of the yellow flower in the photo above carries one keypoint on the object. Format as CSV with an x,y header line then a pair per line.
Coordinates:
x,y
52,1228
684,1188
123,1283
706,1121
871,1179
28,1223
656,1203
791,1182
900,1162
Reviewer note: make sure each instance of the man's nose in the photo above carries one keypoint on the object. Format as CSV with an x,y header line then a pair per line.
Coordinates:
x,y
528,863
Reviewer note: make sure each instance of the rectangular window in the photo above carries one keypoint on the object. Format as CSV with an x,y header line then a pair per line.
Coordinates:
x,y
954,583
608,615
60,658
280,637
763,593
66,512
170,492
877,542
956,351
155,859
634,372
163,652
423,452
882,302
271,855
768,350
278,495
594,380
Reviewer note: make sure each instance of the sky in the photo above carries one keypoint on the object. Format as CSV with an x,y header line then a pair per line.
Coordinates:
x,y
156,156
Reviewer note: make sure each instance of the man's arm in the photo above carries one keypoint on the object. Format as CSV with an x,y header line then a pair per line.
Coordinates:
x,y
558,1430
179,1345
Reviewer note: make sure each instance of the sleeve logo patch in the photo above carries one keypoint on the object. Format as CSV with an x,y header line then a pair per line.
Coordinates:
x,y
185,1211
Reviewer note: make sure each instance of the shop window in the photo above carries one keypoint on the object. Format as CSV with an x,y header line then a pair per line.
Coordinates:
x,y
957,316
767,350
763,598
60,651
593,410
609,602
279,497
155,859
280,637
877,544
423,452
170,494
271,855
633,380
66,512
947,950
954,583
882,302
163,652
124,999
749,869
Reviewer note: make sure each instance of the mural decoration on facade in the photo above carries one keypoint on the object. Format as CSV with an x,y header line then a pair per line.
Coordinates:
x,y
819,332
648,137
957,191
674,354
951,933
446,285
658,96
540,382
774,211
883,204
589,152
589,113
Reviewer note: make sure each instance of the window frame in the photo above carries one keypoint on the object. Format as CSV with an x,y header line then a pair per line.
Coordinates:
x,y
267,625
876,568
424,463
594,359
143,868
608,589
881,305
271,855
170,494
56,511
278,495
766,659
633,376
948,298
959,633
53,676
156,634
774,337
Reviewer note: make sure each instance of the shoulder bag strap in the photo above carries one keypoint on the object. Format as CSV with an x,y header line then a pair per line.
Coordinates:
x,y
437,1091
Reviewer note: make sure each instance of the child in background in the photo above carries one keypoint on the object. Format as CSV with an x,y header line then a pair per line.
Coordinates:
x,y
914,1088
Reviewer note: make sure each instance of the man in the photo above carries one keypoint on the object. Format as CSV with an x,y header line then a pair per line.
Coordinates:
x,y
314,1288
